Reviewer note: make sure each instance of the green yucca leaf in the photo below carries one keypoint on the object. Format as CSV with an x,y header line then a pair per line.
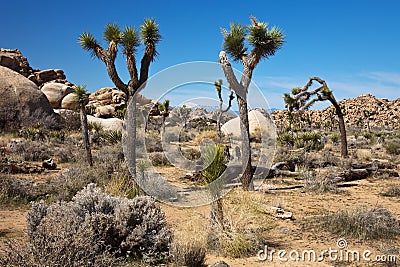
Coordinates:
x,y
150,32
112,33
87,41
81,96
234,41
130,40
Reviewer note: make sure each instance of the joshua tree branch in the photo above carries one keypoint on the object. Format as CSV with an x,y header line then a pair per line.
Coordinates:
x,y
230,76
145,64
131,65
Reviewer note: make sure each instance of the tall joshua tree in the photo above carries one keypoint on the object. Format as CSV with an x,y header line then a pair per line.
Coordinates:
x,y
218,87
301,101
82,99
265,41
129,39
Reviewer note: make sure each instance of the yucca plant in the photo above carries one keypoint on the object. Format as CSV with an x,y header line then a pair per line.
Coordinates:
x,y
213,168
81,98
265,41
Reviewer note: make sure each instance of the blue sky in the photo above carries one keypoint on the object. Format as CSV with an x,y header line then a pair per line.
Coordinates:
x,y
353,45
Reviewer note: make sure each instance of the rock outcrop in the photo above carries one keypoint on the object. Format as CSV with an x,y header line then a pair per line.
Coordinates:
x,y
22,103
111,124
55,92
13,59
360,112
259,124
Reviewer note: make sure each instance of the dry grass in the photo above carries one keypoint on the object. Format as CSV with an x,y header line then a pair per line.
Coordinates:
x,y
363,223
211,135
364,154
247,225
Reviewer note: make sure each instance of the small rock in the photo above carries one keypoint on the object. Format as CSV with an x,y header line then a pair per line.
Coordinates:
x,y
49,164
219,264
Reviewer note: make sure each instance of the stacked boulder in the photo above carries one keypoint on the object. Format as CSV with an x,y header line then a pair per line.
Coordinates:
x,y
13,59
105,102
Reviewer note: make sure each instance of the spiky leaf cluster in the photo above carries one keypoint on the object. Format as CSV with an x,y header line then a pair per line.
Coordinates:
x,y
267,40
130,40
264,40
150,33
112,33
81,96
234,41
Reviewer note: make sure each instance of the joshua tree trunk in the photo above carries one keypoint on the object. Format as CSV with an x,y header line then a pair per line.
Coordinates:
x,y
247,175
134,126
216,213
85,135
342,127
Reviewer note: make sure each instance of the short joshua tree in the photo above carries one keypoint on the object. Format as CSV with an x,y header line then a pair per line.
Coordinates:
x,y
300,100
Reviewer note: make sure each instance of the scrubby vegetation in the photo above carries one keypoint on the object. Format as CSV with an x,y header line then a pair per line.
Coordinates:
x,y
93,229
363,223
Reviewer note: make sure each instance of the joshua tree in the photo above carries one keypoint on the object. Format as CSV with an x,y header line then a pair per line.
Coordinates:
x,y
164,109
265,42
218,87
368,117
183,113
301,101
130,40
214,166
82,99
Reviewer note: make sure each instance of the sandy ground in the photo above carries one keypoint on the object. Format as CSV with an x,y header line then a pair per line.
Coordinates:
x,y
298,234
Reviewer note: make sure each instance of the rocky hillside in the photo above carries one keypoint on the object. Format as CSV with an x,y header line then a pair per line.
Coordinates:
x,y
361,112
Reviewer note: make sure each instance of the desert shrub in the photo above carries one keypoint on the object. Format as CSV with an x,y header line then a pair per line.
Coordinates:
x,y
66,184
31,150
392,147
95,224
335,137
285,138
153,142
192,154
94,126
393,191
57,136
71,120
188,253
15,191
63,154
211,135
309,141
320,185
22,254
363,223
159,159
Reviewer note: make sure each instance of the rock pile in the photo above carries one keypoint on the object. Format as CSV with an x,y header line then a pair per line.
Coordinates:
x,y
360,112
13,59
